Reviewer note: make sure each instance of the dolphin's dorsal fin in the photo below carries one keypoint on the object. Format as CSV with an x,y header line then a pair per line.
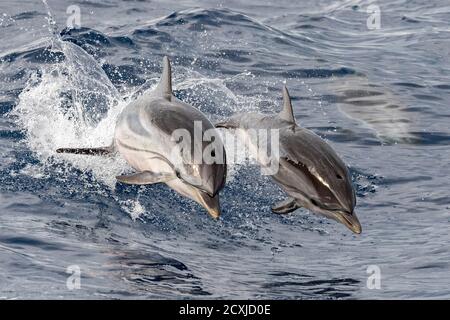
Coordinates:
x,y
286,113
165,83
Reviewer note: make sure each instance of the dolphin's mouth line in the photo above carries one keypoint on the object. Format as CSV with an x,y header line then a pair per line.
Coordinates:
x,y
323,207
345,217
347,220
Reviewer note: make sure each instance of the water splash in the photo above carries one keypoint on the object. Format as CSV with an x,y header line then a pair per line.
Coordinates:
x,y
51,22
70,103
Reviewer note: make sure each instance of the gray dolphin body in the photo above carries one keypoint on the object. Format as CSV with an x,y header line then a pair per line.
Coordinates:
x,y
309,171
144,138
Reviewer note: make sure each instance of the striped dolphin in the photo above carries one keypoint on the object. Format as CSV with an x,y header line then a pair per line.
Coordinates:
x,y
144,138
309,170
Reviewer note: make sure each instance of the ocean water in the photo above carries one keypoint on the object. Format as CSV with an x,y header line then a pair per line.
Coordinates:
x,y
379,94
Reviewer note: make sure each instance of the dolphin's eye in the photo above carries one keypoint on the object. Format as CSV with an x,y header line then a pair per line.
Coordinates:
x,y
339,176
314,202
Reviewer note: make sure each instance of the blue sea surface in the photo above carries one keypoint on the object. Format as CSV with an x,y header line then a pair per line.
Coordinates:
x,y
379,94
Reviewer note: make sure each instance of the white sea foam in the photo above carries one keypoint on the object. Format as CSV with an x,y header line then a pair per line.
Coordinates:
x,y
133,207
55,111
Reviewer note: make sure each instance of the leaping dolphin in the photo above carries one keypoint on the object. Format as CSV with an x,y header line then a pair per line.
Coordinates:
x,y
309,171
144,138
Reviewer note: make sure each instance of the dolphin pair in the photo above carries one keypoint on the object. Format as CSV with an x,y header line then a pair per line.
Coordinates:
x,y
144,138
309,170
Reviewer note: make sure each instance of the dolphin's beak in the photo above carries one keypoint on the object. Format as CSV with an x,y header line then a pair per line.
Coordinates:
x,y
350,220
214,212
209,187
211,204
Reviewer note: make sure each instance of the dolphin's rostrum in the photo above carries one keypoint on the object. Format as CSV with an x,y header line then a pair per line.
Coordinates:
x,y
144,138
309,170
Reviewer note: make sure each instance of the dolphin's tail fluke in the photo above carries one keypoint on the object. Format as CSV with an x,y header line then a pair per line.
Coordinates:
x,y
102,151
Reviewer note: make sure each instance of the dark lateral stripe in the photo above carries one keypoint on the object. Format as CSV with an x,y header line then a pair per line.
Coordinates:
x,y
156,154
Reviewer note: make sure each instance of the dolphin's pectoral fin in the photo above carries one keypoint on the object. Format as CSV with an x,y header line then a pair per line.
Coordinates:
x,y
221,125
102,151
224,124
146,177
285,206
